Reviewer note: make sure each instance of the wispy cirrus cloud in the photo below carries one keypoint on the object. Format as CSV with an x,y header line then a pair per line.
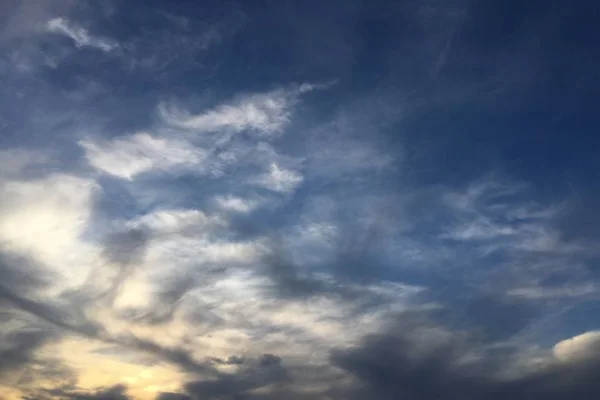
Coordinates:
x,y
280,179
533,292
493,210
264,113
80,36
130,156
237,204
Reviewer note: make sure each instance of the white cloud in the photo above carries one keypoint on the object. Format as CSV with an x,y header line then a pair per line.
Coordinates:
x,y
265,113
479,229
280,179
309,87
497,213
236,204
235,298
127,157
184,252
44,220
318,232
582,347
535,292
484,194
174,221
79,35
261,323
200,254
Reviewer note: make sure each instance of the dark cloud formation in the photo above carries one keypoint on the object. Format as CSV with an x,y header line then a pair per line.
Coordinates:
x,y
251,374
416,359
172,396
117,392
126,247
404,363
231,360
19,347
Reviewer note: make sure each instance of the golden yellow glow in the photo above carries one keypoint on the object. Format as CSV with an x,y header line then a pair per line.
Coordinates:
x,y
9,394
95,370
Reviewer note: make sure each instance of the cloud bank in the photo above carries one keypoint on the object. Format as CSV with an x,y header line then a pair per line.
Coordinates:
x,y
206,202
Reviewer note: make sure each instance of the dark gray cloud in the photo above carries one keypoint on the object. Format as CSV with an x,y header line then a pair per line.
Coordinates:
x,y
117,392
18,348
472,308
20,344
176,356
58,317
125,247
404,363
412,359
252,374
231,360
173,396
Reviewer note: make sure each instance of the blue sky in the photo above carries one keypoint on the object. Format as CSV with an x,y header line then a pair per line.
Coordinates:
x,y
300,200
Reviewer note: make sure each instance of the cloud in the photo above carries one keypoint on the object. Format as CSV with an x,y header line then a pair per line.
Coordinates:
x,y
19,348
236,204
172,151
178,43
43,219
498,223
338,150
251,375
14,162
174,221
280,179
480,229
501,214
580,348
29,16
79,35
578,290
69,320
172,396
346,160
263,113
128,157
415,360
183,240
73,313
255,241
117,392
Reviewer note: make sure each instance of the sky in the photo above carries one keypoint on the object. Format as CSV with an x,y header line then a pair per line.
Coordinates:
x,y
303,200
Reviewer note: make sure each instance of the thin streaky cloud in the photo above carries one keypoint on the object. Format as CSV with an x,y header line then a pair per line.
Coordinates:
x,y
265,113
80,36
280,179
141,152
